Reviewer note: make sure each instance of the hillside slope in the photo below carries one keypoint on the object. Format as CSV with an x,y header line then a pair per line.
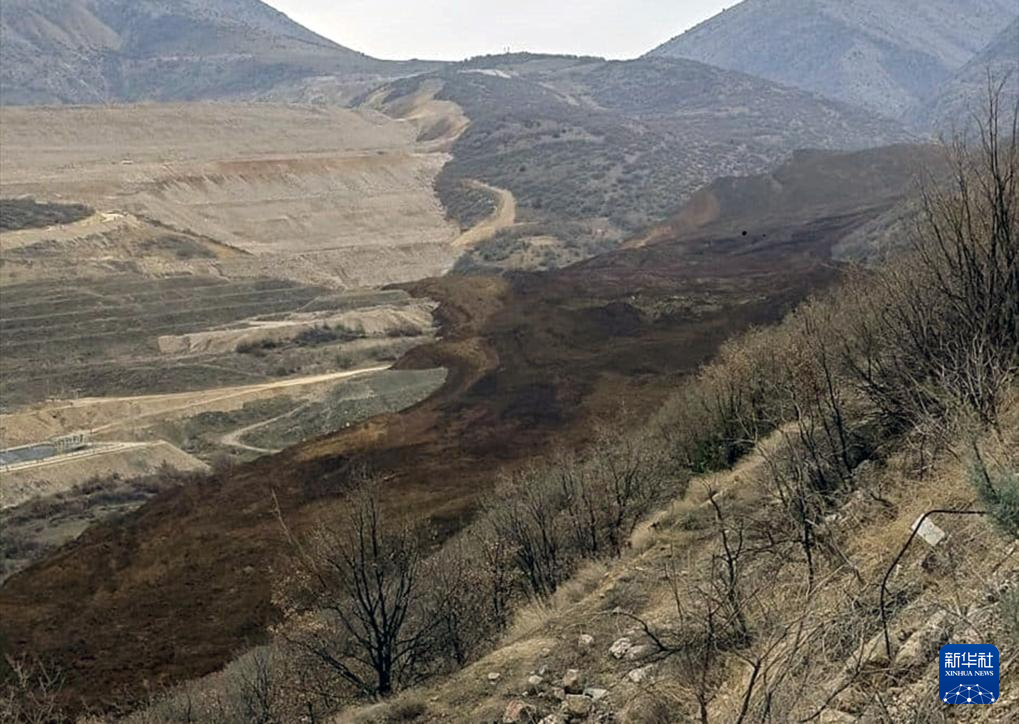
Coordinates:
x,y
881,55
587,649
100,51
595,151
954,102
533,359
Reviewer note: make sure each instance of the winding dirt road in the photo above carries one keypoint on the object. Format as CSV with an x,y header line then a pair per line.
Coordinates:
x,y
504,216
233,439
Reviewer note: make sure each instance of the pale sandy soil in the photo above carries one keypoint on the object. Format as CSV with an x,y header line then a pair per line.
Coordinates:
x,y
63,472
106,417
326,196
272,180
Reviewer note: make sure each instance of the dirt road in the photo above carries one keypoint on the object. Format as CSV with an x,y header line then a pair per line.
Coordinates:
x,y
104,415
233,439
224,393
504,216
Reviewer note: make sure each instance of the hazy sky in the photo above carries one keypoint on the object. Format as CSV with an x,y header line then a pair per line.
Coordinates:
x,y
456,29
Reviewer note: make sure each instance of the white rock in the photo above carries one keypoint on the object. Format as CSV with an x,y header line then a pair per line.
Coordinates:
x,y
639,652
585,641
595,693
534,683
620,647
494,676
640,675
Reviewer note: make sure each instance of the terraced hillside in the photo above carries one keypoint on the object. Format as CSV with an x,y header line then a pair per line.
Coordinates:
x,y
337,195
181,273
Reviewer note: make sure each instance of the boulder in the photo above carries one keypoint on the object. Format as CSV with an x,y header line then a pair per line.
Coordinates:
x,y
620,647
494,676
585,641
534,684
921,648
578,706
518,712
639,676
833,716
595,693
639,652
573,682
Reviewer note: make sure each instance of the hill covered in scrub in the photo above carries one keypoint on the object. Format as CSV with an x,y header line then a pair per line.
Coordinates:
x,y
885,56
103,51
595,151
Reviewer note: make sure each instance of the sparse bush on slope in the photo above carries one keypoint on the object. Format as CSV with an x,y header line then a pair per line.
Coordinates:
x,y
998,489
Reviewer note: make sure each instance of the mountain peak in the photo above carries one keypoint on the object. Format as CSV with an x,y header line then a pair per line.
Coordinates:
x,y
881,55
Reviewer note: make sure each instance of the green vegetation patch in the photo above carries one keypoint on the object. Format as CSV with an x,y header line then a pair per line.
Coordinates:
x,y
18,214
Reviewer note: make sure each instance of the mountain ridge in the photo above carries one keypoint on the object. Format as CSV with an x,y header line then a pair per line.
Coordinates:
x,y
101,51
953,104
886,57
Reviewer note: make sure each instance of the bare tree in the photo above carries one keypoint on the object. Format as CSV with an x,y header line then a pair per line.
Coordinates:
x,y
355,606
943,332
525,511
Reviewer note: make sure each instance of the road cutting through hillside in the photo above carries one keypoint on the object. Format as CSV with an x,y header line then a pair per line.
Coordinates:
x,y
504,217
229,393
102,415
233,439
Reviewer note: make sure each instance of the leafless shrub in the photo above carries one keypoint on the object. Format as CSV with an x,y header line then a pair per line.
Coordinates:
x,y
942,334
352,602
28,693
525,511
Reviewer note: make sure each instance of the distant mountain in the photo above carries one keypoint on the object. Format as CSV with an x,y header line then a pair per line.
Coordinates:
x,y
99,51
885,55
596,151
964,94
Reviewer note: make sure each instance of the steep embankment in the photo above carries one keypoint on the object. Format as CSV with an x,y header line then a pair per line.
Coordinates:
x,y
596,648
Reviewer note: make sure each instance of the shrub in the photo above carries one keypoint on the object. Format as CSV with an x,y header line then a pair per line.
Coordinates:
x,y
999,491
1009,607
